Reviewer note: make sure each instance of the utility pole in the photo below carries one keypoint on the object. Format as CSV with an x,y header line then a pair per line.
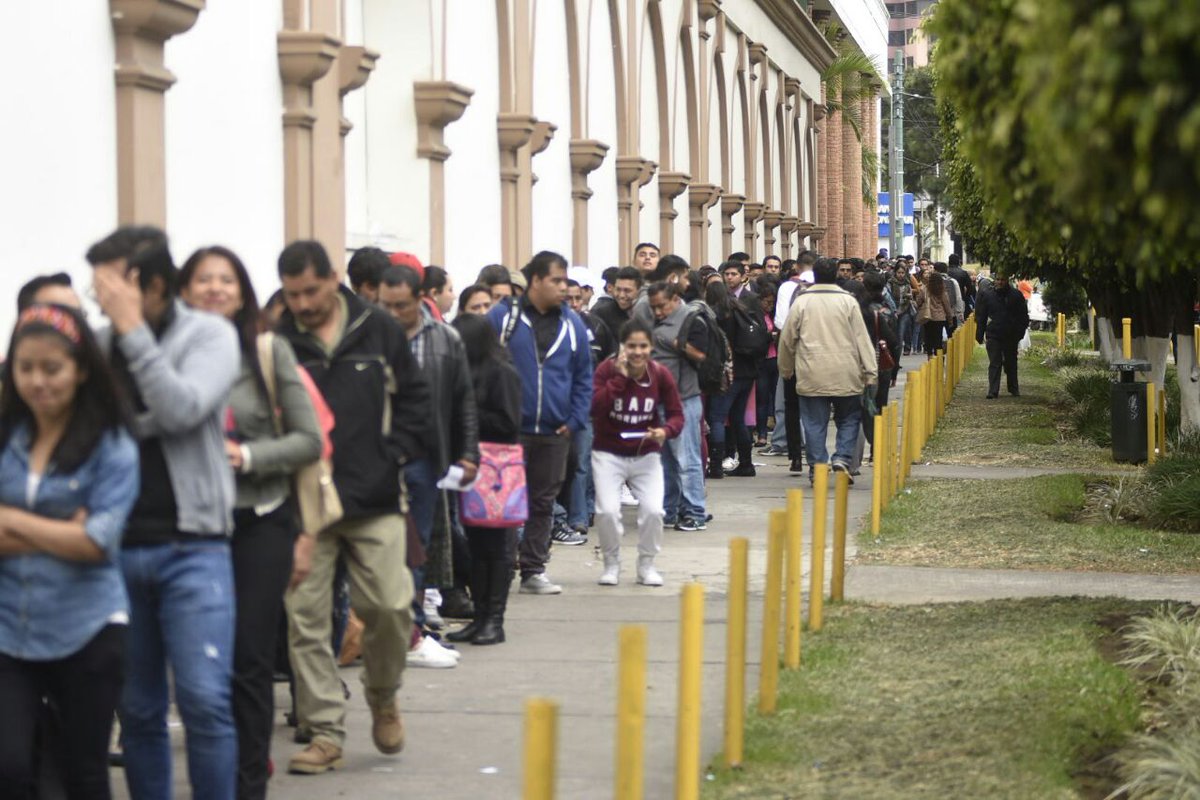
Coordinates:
x,y
896,138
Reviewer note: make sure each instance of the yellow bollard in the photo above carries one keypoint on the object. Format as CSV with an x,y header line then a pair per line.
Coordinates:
x,y
1162,423
951,358
885,444
894,450
792,621
932,421
905,435
768,670
1126,338
841,495
735,653
1196,341
631,711
939,365
1151,422
687,732
816,573
541,736
876,478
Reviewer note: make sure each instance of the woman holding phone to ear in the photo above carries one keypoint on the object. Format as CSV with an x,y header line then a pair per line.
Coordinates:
x,y
635,410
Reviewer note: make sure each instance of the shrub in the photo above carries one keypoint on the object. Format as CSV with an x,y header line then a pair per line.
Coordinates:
x,y
1173,486
1085,391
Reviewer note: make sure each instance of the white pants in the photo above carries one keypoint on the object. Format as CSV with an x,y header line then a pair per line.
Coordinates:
x,y
645,478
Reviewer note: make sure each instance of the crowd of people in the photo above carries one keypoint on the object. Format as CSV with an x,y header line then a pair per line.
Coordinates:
x,y
233,491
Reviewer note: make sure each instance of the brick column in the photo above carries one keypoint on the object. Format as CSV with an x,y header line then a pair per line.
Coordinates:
x,y
831,242
851,192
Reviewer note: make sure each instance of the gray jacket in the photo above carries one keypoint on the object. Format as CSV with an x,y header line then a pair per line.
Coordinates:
x,y
272,458
184,380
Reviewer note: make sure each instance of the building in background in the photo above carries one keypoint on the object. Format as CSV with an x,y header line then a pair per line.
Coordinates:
x,y
904,31
466,132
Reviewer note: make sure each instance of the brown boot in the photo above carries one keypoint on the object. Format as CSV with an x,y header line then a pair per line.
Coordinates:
x,y
387,729
320,756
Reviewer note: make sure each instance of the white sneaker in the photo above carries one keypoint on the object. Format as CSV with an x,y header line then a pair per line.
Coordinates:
x,y
539,584
627,498
611,575
433,618
649,576
431,655
729,464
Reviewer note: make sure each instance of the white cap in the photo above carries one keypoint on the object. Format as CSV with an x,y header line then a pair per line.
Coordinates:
x,y
808,277
582,276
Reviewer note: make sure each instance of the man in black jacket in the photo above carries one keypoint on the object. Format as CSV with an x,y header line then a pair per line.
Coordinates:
x,y
361,361
1002,317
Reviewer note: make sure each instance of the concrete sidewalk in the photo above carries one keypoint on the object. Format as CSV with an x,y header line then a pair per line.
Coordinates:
x,y
464,725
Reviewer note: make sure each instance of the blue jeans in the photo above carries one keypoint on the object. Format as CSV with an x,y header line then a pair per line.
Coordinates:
x,y
683,470
181,612
779,434
583,498
421,482
814,417
905,324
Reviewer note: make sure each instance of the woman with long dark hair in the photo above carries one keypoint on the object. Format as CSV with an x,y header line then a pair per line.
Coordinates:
x,y
498,399
68,479
267,441
933,309
732,404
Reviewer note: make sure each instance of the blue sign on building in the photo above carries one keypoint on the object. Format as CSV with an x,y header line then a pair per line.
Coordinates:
x,y
885,212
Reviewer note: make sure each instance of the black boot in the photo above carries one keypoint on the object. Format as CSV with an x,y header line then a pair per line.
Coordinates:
x,y
716,452
745,467
480,583
456,604
492,631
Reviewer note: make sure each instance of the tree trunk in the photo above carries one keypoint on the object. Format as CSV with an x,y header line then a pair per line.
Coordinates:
x,y
1189,384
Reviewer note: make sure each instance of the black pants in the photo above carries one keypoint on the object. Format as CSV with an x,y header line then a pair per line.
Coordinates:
x,y
545,470
1002,353
262,566
932,330
882,390
84,688
791,419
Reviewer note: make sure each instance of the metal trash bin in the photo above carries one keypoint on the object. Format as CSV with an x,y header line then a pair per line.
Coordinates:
x,y
1127,410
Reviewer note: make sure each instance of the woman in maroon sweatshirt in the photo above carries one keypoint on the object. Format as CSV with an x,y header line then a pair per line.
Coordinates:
x,y
635,408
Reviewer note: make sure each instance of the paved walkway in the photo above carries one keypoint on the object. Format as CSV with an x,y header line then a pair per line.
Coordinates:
x,y
465,725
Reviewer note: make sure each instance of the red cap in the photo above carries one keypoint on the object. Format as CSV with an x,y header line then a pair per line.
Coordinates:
x,y
408,260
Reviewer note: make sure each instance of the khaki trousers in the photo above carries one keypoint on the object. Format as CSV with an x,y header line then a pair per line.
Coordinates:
x,y
381,593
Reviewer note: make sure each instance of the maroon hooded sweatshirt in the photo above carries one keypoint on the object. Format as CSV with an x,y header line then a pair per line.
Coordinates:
x,y
624,405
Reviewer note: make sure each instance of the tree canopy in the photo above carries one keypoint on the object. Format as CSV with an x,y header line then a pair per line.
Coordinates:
x,y
1073,130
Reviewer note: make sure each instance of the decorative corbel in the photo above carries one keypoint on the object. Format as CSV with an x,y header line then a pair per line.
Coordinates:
x,y
539,140
701,198
355,65
670,186
586,156
438,103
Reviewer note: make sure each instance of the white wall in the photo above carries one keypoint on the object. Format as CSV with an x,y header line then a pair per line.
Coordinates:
x,y
473,171
600,118
552,215
58,154
224,136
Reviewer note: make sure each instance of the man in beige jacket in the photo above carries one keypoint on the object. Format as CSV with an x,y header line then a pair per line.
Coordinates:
x,y
825,345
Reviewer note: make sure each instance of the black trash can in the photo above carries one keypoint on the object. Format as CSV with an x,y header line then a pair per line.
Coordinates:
x,y
1127,408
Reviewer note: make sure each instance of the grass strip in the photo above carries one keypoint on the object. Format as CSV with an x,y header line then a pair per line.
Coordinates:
x,y
1005,699
1019,523
1032,430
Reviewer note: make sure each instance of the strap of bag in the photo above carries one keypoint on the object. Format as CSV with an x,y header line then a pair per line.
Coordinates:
x,y
510,323
266,365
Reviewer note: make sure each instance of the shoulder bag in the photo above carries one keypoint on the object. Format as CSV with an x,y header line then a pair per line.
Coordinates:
x,y
316,494
887,362
498,498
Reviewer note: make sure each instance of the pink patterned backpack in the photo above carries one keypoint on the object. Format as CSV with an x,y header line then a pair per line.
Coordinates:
x,y
499,498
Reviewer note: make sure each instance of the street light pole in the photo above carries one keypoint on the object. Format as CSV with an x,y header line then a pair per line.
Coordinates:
x,y
896,197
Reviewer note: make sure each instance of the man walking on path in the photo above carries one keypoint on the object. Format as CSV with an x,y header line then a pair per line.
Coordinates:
x,y
825,346
1002,315
361,361
549,347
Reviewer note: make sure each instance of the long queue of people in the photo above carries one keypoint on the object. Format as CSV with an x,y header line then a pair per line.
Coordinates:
x,y
225,491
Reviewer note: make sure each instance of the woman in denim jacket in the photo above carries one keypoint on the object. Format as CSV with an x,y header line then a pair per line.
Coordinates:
x,y
68,478
265,447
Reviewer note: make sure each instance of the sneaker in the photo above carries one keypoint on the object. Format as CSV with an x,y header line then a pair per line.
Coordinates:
x,y
838,466
649,576
773,450
539,584
449,648
729,464
611,575
627,498
431,655
433,618
561,534
688,524
320,756
387,729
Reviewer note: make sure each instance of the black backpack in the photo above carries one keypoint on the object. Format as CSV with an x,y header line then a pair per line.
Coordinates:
x,y
715,372
750,335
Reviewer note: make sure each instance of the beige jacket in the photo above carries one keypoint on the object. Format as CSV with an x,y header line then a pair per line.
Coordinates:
x,y
825,344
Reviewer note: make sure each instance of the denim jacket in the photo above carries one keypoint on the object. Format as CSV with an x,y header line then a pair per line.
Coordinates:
x,y
51,607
